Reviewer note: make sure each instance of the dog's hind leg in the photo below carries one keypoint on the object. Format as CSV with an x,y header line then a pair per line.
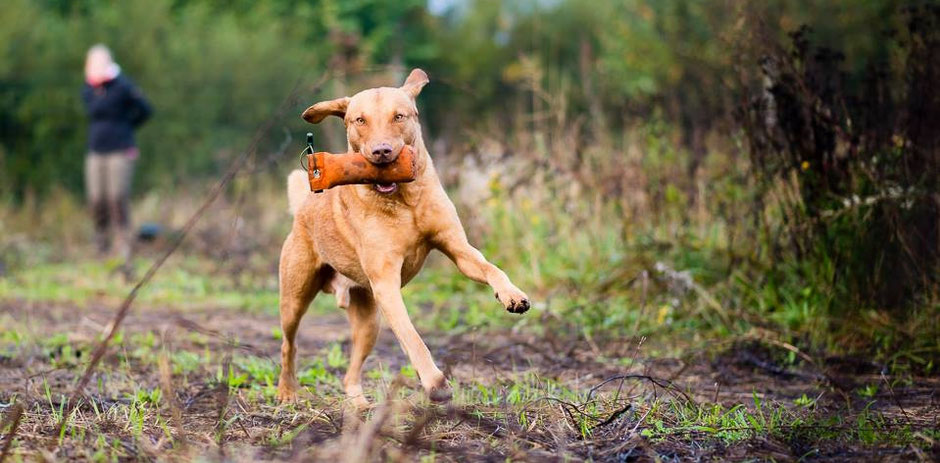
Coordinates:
x,y
300,280
365,328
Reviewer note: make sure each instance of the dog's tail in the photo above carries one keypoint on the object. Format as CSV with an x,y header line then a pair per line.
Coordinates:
x,y
298,187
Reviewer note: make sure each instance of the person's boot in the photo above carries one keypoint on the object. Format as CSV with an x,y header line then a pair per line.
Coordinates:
x,y
102,243
122,251
99,216
121,244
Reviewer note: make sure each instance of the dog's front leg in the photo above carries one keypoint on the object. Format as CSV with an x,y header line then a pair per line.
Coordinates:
x,y
470,261
386,288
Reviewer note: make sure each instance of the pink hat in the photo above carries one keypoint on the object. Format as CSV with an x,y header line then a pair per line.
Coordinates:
x,y
99,66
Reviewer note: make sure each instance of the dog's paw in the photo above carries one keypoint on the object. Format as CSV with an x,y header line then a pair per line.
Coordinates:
x,y
286,393
358,403
286,397
439,389
441,394
514,300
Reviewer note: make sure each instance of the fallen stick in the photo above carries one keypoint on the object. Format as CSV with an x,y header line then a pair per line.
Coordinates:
x,y
12,420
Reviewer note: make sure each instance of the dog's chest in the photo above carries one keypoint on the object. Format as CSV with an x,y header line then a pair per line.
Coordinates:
x,y
351,263
413,261
351,243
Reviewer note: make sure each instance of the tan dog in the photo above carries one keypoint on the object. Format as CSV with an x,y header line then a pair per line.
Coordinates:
x,y
364,242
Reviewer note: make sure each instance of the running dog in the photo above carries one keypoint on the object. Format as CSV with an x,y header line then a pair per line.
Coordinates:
x,y
364,242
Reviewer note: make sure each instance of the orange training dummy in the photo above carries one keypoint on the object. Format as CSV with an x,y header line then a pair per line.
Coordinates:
x,y
326,170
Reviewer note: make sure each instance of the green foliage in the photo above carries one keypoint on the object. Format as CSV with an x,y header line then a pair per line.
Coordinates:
x,y
211,73
215,70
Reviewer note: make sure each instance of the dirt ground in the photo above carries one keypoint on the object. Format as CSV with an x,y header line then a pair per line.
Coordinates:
x,y
584,399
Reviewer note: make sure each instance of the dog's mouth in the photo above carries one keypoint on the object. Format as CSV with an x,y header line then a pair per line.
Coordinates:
x,y
386,188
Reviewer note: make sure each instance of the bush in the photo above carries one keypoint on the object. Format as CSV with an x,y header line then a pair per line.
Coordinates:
x,y
853,159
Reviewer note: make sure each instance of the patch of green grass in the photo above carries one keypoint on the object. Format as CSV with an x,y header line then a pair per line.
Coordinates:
x,y
314,373
262,371
335,357
186,282
185,361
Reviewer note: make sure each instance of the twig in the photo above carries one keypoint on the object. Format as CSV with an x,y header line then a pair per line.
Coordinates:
x,y
566,407
613,416
362,449
166,383
777,370
641,420
217,190
193,326
894,397
13,421
222,400
658,382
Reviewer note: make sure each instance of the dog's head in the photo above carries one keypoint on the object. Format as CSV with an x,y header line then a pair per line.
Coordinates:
x,y
379,121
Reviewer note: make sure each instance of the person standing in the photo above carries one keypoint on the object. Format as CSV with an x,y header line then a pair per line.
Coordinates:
x,y
115,108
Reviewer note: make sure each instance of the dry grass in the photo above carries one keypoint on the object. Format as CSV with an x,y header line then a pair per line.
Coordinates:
x,y
182,384
654,335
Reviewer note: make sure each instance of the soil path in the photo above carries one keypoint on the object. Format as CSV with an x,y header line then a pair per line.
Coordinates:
x,y
729,376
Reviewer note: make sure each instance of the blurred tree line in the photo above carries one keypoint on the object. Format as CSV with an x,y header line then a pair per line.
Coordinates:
x,y
830,106
215,69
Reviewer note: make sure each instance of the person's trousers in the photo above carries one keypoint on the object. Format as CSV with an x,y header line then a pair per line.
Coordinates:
x,y
107,186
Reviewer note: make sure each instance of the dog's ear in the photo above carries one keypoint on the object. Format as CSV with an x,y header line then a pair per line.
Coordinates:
x,y
319,111
415,82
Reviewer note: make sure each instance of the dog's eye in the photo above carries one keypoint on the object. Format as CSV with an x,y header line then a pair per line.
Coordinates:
x,y
399,117
360,121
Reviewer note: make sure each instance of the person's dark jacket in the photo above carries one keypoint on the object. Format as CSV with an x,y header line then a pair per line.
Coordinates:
x,y
115,109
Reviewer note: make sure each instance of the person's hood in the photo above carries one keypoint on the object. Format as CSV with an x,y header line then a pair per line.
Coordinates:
x,y
100,66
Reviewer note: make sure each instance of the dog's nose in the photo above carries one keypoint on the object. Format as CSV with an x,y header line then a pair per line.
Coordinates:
x,y
382,151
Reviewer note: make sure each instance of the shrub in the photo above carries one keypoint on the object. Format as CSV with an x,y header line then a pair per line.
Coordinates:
x,y
852,159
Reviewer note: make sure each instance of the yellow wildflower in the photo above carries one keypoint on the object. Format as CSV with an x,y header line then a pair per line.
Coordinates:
x,y
663,313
